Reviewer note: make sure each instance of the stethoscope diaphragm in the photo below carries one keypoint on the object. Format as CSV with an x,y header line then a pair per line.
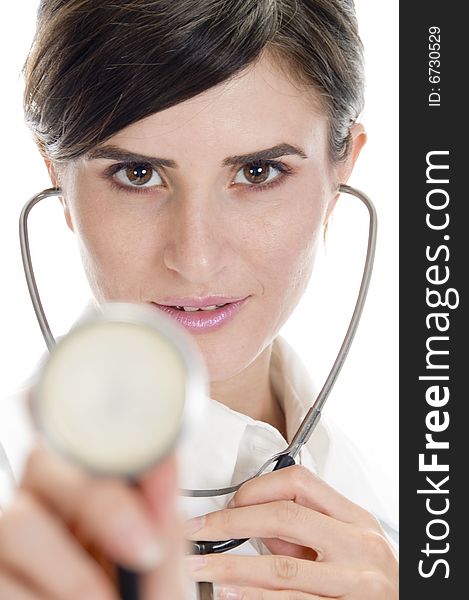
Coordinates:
x,y
115,393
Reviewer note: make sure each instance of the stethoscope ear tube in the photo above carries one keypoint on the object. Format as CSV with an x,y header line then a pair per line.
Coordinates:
x,y
314,414
28,266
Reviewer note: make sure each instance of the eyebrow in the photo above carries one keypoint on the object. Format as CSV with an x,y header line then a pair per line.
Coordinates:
x,y
121,155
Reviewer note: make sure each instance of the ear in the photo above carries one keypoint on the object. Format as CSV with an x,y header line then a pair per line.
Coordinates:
x,y
357,141
56,182
344,169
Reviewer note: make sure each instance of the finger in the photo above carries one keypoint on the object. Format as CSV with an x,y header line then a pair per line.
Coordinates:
x,y
332,540
160,488
170,579
14,590
284,520
303,487
36,546
274,573
249,593
105,512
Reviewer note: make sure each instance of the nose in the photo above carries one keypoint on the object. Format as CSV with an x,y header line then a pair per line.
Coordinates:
x,y
196,245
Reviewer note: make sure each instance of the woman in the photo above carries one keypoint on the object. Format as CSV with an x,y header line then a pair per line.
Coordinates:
x,y
200,147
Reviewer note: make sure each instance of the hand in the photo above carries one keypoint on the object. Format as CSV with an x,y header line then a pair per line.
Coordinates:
x,y
64,531
323,546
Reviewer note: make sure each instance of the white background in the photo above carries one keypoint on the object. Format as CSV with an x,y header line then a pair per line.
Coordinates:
x,y
365,399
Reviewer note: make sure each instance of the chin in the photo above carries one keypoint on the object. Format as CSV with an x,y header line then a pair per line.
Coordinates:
x,y
227,358
219,371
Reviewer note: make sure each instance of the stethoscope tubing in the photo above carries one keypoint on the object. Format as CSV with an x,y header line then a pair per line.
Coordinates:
x,y
310,421
28,264
128,581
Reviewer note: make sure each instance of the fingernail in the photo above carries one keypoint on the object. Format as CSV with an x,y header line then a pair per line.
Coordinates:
x,y
194,562
231,503
193,525
150,555
228,593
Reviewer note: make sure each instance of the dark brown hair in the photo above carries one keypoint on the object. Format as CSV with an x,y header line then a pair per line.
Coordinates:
x,y
96,67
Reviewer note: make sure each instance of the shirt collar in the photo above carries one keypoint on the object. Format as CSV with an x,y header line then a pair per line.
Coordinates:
x,y
230,447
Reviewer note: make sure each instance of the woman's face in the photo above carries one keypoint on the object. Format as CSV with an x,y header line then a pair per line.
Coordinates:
x,y
218,200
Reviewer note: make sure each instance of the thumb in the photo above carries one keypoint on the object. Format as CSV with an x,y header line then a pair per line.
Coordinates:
x,y
160,488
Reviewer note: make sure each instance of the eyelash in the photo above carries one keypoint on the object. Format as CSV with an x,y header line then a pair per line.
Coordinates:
x,y
283,169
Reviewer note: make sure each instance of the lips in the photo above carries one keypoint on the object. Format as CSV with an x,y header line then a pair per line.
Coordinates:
x,y
202,315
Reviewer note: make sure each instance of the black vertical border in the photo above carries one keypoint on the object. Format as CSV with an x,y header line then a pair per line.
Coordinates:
x,y
423,129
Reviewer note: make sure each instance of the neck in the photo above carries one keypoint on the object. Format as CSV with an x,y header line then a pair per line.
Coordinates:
x,y
250,392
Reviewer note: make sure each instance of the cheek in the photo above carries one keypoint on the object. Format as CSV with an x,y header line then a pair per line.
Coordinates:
x,y
295,263
113,249
291,271
289,249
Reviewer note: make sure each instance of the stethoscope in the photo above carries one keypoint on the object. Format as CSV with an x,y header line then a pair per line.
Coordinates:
x,y
177,353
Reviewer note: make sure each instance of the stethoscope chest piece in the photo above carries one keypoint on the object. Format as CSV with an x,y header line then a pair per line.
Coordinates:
x,y
115,393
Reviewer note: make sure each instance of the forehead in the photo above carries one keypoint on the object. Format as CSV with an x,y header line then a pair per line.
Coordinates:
x,y
260,105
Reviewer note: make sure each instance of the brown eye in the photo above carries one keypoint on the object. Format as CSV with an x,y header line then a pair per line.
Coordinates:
x,y
256,173
259,174
138,175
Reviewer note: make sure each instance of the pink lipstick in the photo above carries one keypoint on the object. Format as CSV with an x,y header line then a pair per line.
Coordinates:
x,y
202,315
